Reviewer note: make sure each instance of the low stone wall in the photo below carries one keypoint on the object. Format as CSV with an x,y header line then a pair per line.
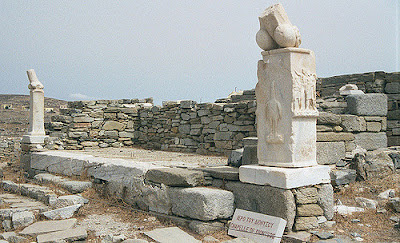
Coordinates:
x,y
373,82
211,127
9,149
177,126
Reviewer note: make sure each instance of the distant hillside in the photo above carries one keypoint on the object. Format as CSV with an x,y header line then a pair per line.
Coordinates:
x,y
14,113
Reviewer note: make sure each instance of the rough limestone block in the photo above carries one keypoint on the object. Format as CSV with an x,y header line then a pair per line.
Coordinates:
x,y
330,152
223,172
325,200
367,104
343,177
308,210
371,141
306,195
201,203
235,158
352,123
305,223
249,154
327,118
22,219
264,199
113,125
62,213
175,177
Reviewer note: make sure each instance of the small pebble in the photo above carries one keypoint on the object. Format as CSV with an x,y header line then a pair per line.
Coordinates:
x,y
355,221
358,239
355,234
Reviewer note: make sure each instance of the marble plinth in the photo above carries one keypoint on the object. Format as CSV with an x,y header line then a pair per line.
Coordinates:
x,y
285,178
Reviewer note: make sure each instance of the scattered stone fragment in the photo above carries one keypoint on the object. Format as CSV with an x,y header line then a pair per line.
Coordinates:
x,y
346,210
203,228
66,235
62,213
169,235
329,224
321,219
113,239
69,200
305,223
7,226
209,239
240,240
355,221
135,241
355,234
324,235
22,219
300,236
235,158
395,203
343,177
390,193
395,219
43,227
366,203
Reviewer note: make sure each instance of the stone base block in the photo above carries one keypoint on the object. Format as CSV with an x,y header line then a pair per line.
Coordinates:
x,y
33,139
201,203
285,178
330,152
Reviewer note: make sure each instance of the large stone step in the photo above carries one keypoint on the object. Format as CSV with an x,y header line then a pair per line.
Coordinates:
x,y
72,186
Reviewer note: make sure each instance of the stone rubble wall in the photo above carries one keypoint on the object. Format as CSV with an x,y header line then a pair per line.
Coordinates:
x,y
177,125
9,149
185,126
373,82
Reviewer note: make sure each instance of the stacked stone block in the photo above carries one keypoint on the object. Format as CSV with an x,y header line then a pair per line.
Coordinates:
x,y
374,82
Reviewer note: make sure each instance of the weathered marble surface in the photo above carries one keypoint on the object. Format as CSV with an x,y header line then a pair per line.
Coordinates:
x,y
36,133
286,108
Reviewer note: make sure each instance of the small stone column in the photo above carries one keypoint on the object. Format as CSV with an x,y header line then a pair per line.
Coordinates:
x,y
286,124
36,133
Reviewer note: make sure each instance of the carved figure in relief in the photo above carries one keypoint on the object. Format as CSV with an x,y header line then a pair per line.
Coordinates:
x,y
274,115
304,94
270,108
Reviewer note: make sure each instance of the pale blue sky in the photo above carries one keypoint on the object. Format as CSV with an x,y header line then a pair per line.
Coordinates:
x,y
179,49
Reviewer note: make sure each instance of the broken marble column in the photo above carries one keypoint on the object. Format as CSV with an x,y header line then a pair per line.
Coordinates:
x,y
36,132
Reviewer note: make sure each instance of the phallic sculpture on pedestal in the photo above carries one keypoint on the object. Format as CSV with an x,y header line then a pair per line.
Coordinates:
x,y
276,31
286,94
36,132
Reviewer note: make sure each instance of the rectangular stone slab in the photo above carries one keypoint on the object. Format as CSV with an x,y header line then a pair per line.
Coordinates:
x,y
285,178
48,226
67,235
171,235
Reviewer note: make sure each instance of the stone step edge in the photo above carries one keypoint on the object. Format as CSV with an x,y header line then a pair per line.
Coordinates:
x,y
40,193
62,182
213,226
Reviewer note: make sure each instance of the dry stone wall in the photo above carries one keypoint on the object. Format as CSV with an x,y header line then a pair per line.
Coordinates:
x,y
177,125
373,82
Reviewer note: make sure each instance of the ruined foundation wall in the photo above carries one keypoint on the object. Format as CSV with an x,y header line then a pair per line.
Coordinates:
x,y
373,82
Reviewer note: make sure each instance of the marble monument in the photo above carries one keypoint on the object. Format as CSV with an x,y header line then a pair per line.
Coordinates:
x,y
36,132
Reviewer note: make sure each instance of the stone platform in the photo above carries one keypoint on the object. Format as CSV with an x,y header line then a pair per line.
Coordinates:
x,y
152,180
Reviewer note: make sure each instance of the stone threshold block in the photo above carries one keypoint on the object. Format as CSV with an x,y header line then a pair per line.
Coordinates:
x,y
285,178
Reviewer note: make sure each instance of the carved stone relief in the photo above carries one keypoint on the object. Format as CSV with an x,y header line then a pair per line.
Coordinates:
x,y
304,94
